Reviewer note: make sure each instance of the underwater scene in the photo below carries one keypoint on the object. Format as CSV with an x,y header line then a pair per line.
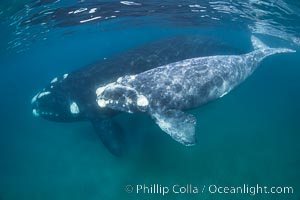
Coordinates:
x,y
186,99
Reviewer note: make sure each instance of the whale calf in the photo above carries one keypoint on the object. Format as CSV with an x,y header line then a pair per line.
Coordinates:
x,y
166,91
71,97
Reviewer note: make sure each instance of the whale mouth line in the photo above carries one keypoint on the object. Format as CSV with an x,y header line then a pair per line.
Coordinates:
x,y
38,113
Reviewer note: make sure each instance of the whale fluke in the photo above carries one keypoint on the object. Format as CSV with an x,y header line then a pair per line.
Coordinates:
x,y
258,45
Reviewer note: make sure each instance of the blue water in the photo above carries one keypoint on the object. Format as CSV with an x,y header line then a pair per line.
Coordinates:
x,y
250,136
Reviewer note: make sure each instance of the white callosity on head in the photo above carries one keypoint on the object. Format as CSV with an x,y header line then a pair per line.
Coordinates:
x,y
101,103
100,90
54,80
142,101
74,109
119,80
65,76
34,98
132,77
128,99
43,94
35,113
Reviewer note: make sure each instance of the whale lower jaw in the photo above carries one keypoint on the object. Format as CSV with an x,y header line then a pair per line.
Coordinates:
x,y
38,113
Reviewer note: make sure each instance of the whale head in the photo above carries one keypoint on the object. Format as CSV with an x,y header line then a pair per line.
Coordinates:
x,y
122,98
55,103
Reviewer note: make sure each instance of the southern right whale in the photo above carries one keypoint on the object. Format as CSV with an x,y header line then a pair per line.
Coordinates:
x,y
71,97
165,92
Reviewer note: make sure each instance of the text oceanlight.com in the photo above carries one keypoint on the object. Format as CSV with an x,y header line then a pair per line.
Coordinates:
x,y
163,190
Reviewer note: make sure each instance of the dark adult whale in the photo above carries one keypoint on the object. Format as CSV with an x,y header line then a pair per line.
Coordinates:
x,y
71,97
165,92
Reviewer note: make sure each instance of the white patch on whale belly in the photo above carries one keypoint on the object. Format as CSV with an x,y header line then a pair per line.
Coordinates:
x,y
43,94
74,109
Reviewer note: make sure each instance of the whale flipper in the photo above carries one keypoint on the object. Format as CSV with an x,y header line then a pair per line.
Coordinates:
x,y
179,125
111,135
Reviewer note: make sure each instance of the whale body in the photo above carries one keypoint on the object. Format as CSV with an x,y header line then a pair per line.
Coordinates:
x,y
166,91
71,97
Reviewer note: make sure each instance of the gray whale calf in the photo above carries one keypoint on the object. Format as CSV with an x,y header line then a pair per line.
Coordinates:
x,y
165,92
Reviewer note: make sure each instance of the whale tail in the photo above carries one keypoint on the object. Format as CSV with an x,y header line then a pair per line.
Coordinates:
x,y
266,51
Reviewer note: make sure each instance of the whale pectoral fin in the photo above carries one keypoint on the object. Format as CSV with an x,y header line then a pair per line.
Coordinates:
x,y
111,135
179,125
